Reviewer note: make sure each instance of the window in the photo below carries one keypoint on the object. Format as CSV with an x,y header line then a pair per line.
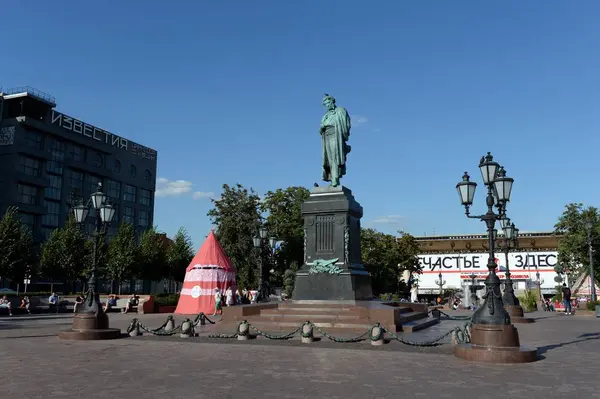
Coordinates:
x,y
98,160
52,213
143,218
57,151
33,139
53,191
128,215
30,166
145,197
117,166
92,184
27,194
133,171
28,220
77,153
147,175
76,188
113,190
130,193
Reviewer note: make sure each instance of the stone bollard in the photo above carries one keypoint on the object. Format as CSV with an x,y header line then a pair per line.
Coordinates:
x,y
170,324
243,331
376,335
307,333
135,332
187,329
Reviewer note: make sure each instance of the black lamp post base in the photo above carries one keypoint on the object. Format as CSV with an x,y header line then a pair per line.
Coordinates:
x,y
495,343
90,326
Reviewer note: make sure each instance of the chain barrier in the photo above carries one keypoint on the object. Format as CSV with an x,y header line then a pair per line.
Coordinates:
x,y
200,319
447,316
459,334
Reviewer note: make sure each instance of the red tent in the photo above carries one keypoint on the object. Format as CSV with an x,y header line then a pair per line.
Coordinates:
x,y
209,269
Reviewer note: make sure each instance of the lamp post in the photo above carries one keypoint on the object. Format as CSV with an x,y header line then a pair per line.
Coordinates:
x,y
258,241
91,322
493,337
439,282
473,289
589,226
539,282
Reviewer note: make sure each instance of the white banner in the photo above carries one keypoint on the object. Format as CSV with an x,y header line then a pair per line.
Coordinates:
x,y
478,261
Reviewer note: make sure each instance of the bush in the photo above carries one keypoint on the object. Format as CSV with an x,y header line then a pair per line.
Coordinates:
x,y
385,297
591,305
166,299
529,301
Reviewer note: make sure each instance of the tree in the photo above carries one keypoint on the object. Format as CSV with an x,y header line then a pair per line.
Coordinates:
x,y
285,223
16,247
122,255
152,256
179,255
573,255
237,219
387,257
66,254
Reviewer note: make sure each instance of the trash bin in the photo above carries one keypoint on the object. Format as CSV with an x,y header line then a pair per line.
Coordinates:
x,y
597,310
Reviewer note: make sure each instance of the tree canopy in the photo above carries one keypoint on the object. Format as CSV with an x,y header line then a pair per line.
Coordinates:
x,y
179,255
573,255
122,255
237,219
152,256
16,247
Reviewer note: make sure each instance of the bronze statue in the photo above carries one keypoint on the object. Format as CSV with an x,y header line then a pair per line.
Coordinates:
x,y
335,131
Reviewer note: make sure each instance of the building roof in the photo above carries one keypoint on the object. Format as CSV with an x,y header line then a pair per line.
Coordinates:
x,y
531,241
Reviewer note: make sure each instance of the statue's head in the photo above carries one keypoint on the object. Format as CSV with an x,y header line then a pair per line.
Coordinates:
x,y
328,102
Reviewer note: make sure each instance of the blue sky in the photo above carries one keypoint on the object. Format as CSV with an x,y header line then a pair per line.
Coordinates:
x,y
231,92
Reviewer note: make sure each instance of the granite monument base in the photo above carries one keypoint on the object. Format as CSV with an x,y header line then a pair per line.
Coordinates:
x,y
516,315
342,287
495,343
90,326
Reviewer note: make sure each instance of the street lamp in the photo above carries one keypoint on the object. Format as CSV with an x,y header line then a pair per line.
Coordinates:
x,y
499,188
258,241
473,289
91,322
539,283
510,241
589,226
440,283
493,337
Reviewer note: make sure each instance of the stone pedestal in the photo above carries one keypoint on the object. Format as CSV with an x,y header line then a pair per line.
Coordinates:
x,y
332,237
516,314
90,326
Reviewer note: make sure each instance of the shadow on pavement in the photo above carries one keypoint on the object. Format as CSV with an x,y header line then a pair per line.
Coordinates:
x,y
546,348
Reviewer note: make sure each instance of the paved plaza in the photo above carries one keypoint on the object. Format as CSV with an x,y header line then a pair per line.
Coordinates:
x,y
36,364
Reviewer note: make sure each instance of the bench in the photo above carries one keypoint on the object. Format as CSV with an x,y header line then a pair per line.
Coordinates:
x,y
145,304
43,304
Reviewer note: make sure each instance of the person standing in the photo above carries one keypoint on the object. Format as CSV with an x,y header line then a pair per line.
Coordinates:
x,y
566,291
218,298
229,297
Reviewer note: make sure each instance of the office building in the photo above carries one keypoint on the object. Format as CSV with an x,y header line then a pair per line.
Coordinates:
x,y
50,161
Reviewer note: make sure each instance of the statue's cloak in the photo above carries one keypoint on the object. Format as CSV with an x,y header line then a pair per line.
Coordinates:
x,y
341,123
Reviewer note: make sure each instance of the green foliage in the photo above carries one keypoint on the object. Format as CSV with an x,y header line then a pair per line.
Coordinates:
x,y
179,255
573,255
165,299
66,254
16,247
591,305
152,256
387,257
285,223
122,255
529,300
237,219
289,280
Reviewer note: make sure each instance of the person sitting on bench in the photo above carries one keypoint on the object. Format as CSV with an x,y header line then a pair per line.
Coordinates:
x,y
53,302
110,303
5,303
133,301
25,304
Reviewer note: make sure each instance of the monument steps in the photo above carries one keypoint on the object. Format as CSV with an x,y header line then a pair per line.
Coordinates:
x,y
334,318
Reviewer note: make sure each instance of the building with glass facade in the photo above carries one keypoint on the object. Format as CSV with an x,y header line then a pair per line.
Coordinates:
x,y
49,161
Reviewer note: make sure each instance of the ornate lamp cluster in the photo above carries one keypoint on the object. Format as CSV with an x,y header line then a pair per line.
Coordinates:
x,y
104,216
499,188
440,283
511,241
